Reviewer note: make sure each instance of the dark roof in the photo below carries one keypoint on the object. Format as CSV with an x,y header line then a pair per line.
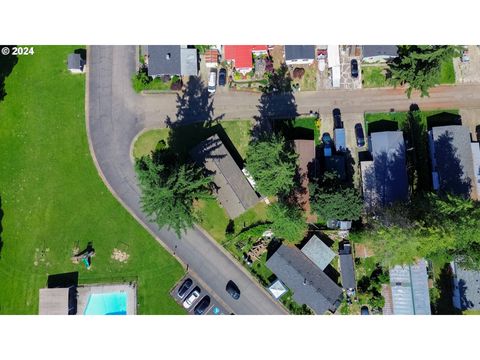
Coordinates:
x,y
295,52
164,60
75,62
347,268
468,282
379,50
309,284
232,187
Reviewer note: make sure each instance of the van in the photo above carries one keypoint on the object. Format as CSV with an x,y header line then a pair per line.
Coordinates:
x,y
212,81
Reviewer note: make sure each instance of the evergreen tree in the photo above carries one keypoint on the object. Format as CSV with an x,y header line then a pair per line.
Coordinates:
x,y
288,221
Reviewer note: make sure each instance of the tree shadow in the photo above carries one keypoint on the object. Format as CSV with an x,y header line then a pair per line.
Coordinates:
x,y
444,304
66,280
1,228
7,63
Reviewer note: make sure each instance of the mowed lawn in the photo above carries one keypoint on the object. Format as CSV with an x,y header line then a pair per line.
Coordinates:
x,y
53,199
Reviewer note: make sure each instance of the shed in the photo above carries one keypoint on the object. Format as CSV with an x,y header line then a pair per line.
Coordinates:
x,y
318,252
188,62
211,58
277,289
466,288
75,63
347,268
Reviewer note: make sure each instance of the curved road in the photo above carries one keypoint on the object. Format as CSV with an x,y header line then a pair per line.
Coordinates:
x,y
116,114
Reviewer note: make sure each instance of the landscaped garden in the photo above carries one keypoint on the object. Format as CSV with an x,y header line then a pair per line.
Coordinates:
x,y
54,202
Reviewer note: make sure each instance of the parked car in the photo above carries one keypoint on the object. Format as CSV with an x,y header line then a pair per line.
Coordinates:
x,y
465,56
477,130
337,119
233,290
202,305
354,68
222,77
212,81
327,144
359,135
192,297
364,310
182,290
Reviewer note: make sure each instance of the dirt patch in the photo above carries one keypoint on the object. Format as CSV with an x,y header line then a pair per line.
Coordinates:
x,y
119,255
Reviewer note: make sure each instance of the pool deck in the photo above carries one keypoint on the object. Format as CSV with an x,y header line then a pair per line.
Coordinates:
x,y
84,292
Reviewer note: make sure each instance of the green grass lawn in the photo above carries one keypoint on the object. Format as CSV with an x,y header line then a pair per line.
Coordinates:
x,y
447,72
147,141
374,76
54,200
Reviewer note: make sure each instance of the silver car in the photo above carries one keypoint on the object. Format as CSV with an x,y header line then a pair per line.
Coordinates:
x,y
191,298
212,81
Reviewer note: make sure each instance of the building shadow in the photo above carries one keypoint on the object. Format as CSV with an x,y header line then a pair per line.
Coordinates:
x,y
82,53
382,125
443,119
7,63
66,280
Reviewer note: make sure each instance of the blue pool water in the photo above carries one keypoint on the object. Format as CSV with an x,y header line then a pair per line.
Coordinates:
x,y
107,304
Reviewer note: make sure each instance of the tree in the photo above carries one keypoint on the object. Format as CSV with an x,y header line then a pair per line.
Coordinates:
x,y
272,163
333,201
288,221
169,189
419,66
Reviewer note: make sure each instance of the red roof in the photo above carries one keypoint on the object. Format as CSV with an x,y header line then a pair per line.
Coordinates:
x,y
211,56
242,54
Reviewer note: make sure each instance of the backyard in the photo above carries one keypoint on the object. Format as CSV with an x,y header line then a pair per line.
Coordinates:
x,y
54,201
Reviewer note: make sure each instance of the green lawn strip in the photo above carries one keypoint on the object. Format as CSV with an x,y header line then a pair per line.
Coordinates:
x,y
54,200
447,72
303,127
147,141
374,76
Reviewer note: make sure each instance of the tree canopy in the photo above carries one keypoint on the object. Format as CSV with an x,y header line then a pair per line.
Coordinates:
x,y
288,221
272,162
419,66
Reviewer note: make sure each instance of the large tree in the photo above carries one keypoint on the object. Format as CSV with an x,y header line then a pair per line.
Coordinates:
x,y
288,221
419,66
272,162
169,189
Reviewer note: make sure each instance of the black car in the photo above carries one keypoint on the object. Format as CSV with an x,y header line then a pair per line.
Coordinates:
x,y
359,135
337,119
233,290
354,68
364,310
182,290
222,77
202,305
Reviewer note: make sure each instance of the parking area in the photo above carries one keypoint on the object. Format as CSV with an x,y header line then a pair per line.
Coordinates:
x,y
192,292
347,54
468,72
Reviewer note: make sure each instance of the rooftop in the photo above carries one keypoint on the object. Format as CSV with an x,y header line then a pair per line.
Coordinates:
x,y
241,55
379,50
299,52
164,60
467,292
318,252
75,62
188,62
55,301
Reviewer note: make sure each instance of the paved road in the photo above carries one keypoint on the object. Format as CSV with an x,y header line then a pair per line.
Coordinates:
x,y
115,115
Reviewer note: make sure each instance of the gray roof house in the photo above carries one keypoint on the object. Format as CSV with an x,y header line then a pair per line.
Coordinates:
x,y
75,63
347,268
466,288
452,160
299,54
164,60
309,284
379,53
384,179
232,187
188,62
410,293
318,252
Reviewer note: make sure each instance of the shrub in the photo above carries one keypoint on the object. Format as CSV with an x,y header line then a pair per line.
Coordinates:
x,y
298,73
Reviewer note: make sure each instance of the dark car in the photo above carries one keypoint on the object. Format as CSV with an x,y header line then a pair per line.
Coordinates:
x,y
202,305
364,310
477,130
222,77
182,290
359,135
233,290
337,119
354,68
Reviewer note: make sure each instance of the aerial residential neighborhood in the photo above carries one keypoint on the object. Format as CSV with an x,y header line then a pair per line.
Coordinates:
x,y
240,179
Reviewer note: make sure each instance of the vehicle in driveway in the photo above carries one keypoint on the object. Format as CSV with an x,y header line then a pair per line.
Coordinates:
x,y
337,119
222,77
233,290
364,310
354,68
182,290
202,305
192,297
212,81
327,144
359,135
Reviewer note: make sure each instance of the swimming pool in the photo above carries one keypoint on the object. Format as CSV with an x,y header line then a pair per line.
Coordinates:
x,y
114,303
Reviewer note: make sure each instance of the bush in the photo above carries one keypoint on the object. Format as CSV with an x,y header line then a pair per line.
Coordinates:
x,y
298,73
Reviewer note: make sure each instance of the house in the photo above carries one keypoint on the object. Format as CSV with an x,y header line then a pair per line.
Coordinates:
x,y
379,53
306,169
347,268
334,64
452,155
232,188
309,284
241,56
466,288
75,63
384,179
319,253
188,62
170,60
299,54
409,289
211,58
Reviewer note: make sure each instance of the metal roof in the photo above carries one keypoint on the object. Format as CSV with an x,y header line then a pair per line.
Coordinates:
x,y
316,250
164,60
189,62
299,52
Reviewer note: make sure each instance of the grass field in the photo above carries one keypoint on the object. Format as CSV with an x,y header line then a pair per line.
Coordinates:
x,y
374,76
447,72
53,199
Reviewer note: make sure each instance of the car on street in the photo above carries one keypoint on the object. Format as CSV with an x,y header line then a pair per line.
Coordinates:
x,y
222,77
212,81
202,305
354,68
337,119
192,297
359,135
233,290
182,290
364,310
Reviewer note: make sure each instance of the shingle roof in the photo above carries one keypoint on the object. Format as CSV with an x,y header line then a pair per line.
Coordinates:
x,y
189,62
233,189
75,62
309,284
296,52
317,251
379,50
347,268
164,60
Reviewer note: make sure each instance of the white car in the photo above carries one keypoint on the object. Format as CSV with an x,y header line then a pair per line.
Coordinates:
x,y
212,82
194,295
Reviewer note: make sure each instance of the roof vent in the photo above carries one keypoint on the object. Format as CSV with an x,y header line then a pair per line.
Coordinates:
x,y
168,56
304,281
